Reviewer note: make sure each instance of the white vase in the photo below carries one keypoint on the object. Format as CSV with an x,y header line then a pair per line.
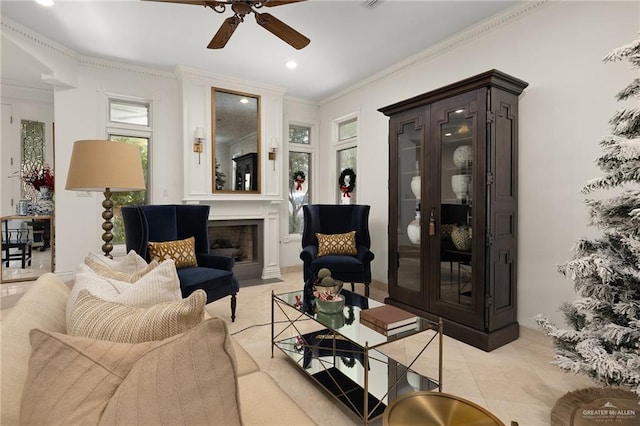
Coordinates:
x,y
413,230
415,186
461,185
463,156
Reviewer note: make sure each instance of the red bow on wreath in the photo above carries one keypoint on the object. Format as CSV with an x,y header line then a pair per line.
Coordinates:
x,y
299,182
345,191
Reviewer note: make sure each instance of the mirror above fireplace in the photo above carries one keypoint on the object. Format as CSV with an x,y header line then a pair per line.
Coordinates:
x,y
236,141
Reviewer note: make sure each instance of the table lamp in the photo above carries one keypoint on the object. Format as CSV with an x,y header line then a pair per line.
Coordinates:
x,y
105,166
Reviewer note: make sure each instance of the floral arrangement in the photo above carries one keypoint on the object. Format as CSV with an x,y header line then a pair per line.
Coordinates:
x,y
327,296
38,176
327,289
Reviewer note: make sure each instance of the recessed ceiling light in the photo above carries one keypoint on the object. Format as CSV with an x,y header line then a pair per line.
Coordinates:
x,y
291,65
244,101
45,2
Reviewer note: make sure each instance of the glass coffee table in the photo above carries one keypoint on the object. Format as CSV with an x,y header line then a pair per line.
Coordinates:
x,y
346,358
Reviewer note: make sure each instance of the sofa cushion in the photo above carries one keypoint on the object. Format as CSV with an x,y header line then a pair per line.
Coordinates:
x,y
337,244
115,322
76,380
105,271
43,306
182,252
130,263
158,286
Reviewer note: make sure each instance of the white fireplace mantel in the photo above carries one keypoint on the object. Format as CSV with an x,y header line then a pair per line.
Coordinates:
x,y
243,208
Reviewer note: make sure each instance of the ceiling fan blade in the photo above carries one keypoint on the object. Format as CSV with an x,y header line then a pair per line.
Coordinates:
x,y
273,3
224,33
281,30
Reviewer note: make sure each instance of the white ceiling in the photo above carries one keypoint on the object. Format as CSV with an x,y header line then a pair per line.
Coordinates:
x,y
349,41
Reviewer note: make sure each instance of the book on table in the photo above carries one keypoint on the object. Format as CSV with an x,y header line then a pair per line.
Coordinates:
x,y
387,317
391,331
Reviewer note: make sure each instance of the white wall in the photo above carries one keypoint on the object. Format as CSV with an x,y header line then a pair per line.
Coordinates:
x,y
564,112
81,113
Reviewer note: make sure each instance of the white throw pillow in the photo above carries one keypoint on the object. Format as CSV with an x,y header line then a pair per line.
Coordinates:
x,y
129,264
158,286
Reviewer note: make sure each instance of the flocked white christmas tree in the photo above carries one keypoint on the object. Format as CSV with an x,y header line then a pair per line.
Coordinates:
x,y
602,340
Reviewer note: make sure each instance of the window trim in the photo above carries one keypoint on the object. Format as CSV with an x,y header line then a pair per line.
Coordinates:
x,y
339,145
134,130
310,148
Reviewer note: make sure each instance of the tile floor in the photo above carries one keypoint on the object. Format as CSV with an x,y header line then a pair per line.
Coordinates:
x,y
515,382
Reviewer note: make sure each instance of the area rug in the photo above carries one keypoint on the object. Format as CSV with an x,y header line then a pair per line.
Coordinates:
x,y
597,406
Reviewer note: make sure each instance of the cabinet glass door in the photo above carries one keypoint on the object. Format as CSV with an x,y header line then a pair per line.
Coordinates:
x,y
456,136
409,223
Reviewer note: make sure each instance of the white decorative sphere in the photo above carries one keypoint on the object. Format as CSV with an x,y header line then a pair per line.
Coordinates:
x,y
463,156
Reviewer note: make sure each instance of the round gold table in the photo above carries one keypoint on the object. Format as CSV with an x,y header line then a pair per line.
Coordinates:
x,y
438,409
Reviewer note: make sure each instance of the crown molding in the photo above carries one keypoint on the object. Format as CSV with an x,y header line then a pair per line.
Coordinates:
x,y
23,33
106,64
490,24
185,73
30,85
302,101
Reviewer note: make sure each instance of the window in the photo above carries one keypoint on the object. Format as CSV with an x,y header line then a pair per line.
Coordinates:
x,y
129,123
299,134
347,129
128,112
346,148
347,159
299,175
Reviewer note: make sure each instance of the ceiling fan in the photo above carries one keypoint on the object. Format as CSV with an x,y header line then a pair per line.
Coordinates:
x,y
240,9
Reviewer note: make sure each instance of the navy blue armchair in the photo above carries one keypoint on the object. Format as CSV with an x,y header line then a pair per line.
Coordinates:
x,y
160,223
337,219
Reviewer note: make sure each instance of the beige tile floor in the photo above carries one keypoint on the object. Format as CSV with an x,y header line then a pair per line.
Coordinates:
x,y
515,382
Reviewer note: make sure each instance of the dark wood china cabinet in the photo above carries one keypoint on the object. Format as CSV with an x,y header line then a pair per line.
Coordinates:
x,y
453,156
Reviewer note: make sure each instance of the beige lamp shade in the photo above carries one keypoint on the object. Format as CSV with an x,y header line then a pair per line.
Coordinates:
x,y
97,165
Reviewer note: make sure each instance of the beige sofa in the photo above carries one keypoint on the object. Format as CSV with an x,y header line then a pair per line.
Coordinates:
x,y
262,401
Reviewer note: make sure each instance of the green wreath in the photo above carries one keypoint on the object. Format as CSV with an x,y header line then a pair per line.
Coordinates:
x,y
347,189
298,179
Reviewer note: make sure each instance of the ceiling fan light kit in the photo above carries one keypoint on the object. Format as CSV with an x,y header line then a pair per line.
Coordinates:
x,y
240,9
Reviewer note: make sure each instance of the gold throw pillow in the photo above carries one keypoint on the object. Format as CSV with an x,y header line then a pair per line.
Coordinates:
x,y
183,252
188,379
331,244
96,318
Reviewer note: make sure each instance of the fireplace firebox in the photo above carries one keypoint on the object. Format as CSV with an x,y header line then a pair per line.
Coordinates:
x,y
242,240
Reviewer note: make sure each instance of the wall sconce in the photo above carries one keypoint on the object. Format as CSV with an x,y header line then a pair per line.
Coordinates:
x,y
198,145
272,153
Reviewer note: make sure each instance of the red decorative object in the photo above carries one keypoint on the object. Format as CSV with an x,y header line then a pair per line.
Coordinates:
x,y
39,177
